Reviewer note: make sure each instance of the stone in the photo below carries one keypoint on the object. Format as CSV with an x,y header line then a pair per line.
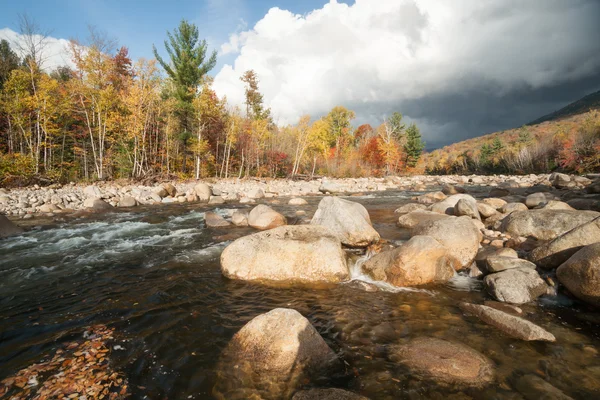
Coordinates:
x,y
297,202
561,181
256,193
414,218
512,207
295,253
446,363
348,220
449,189
92,191
127,201
8,228
458,234
263,217
533,387
405,209
517,286
560,249
48,208
494,202
594,187
203,191
160,192
581,274
506,307
430,198
585,204
555,205
171,190
499,263
545,224
214,220
485,210
419,261
327,394
96,204
447,205
330,187
239,218
537,199
216,200
272,356
467,208
513,326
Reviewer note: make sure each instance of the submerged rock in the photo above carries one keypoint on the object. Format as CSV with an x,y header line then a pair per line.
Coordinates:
x,y
419,261
8,228
327,394
556,252
297,253
271,356
545,224
348,220
581,274
511,325
214,220
518,286
533,387
263,217
458,234
444,362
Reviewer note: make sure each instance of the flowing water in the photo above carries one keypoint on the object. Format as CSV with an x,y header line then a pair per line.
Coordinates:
x,y
153,275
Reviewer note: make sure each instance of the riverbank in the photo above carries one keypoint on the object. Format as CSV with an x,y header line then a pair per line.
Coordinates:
x,y
29,202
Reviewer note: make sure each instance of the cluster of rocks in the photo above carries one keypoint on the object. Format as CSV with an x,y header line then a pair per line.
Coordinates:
x,y
26,202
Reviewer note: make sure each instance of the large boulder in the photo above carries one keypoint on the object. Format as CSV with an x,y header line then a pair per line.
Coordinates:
x,y
538,199
8,228
203,191
545,224
171,190
419,261
511,325
330,187
414,218
296,253
512,207
486,210
581,274
517,286
444,362
255,193
239,218
446,206
327,394
348,220
458,234
430,198
263,217
449,189
557,251
485,252
271,356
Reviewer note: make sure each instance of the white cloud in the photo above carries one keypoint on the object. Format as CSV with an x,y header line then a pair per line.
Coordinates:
x,y
56,51
381,54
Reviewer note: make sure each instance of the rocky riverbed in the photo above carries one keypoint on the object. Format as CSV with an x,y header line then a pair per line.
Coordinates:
x,y
403,287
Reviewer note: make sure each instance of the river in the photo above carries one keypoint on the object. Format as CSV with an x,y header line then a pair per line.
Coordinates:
x,y
153,275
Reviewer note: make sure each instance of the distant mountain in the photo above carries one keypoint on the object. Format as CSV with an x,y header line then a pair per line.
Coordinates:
x,y
585,104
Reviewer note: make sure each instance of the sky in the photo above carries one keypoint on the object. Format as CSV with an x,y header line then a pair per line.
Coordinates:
x,y
458,69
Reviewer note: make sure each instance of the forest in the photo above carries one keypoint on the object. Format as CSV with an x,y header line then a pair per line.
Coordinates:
x,y
111,117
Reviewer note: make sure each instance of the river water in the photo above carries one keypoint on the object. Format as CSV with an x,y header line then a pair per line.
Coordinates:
x,y
153,275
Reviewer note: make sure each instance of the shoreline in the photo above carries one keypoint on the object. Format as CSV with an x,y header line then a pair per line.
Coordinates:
x,y
36,201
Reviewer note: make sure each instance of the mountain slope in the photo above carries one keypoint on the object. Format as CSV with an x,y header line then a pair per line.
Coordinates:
x,y
585,104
